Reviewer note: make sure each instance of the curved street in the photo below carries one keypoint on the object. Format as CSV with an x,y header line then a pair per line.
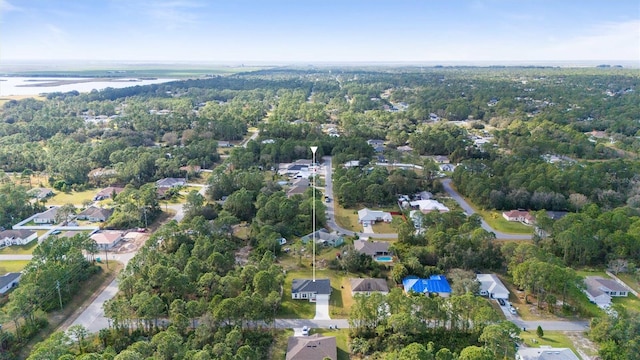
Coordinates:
x,y
446,183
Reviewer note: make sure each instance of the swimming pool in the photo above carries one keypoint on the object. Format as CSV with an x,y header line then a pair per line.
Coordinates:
x,y
384,258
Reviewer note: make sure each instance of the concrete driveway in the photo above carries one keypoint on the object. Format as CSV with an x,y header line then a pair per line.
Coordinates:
x,y
322,309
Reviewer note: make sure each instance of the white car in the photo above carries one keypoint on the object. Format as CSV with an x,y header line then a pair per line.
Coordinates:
x,y
305,331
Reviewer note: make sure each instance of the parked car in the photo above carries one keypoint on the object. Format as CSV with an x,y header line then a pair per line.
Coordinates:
x,y
513,310
305,331
501,302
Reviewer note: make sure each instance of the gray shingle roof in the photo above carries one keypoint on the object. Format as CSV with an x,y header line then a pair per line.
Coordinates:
x,y
7,278
369,284
320,286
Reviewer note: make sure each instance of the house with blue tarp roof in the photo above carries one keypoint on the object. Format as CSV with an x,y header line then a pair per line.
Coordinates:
x,y
435,284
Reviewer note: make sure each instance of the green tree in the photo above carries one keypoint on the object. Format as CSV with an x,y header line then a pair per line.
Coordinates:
x,y
475,353
415,351
540,332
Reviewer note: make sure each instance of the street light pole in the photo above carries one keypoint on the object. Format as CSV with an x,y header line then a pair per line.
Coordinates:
x,y
313,217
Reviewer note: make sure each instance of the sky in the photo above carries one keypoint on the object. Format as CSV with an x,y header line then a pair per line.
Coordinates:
x,y
316,31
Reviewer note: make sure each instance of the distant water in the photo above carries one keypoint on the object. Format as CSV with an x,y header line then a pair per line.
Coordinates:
x,y
16,85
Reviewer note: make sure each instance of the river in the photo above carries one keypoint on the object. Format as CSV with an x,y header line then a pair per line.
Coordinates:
x,y
20,86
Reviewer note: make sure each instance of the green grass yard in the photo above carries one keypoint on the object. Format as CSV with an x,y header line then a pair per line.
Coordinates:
x,y
347,218
72,197
12,265
303,309
630,302
630,281
20,249
498,222
342,340
556,339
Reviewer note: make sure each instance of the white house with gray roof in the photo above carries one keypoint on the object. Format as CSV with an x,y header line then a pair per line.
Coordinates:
x,y
491,286
370,217
307,289
600,290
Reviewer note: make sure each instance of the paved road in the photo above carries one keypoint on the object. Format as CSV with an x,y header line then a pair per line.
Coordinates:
x,y
12,257
92,318
331,216
299,323
548,325
446,183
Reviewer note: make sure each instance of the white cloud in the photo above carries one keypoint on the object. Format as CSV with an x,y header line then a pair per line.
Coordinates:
x,y
6,6
605,41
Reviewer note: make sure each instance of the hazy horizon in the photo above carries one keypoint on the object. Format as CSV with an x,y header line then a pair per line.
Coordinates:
x,y
281,32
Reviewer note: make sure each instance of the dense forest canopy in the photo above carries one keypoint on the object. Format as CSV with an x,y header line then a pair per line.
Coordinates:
x,y
541,139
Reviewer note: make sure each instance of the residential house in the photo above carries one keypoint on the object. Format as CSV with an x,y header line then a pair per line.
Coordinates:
x,y
519,215
224,144
368,286
405,148
375,142
299,186
46,217
440,159
40,193
436,284
314,347
171,182
95,214
427,206
600,290
352,163
308,289
324,237
298,169
9,281
369,217
107,239
545,353
107,193
447,167
371,248
17,237
491,286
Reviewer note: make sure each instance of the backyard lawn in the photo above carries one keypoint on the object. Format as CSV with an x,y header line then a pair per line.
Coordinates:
x,y
630,302
20,249
383,228
72,197
629,280
499,223
12,265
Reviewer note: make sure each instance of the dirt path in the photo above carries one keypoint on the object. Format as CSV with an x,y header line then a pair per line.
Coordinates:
x,y
585,347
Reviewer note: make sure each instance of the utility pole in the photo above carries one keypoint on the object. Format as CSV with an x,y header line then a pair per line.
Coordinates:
x,y
59,295
106,256
313,217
